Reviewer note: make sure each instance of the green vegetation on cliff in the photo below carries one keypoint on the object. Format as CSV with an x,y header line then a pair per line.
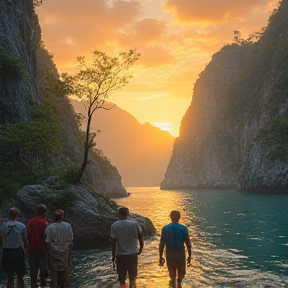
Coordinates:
x,y
11,66
50,143
28,148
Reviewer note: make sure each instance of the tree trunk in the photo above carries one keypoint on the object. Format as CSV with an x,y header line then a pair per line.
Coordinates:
x,y
87,145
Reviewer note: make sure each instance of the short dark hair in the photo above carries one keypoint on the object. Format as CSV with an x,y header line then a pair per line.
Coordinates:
x,y
13,213
175,215
41,209
124,211
58,215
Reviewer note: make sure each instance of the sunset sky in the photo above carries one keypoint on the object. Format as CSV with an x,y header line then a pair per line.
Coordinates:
x,y
176,39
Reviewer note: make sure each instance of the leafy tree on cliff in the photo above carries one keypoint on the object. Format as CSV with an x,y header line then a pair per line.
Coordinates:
x,y
94,83
37,3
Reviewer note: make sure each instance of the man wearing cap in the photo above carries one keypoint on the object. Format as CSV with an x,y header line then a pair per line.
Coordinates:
x,y
37,252
125,235
14,239
59,241
173,236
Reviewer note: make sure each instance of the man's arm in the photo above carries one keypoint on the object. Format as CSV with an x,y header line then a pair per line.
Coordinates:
x,y
161,249
113,244
47,239
25,241
48,246
189,249
113,241
71,239
141,242
71,245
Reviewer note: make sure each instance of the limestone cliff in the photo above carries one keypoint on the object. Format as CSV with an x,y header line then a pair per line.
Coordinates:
x,y
235,132
18,40
32,96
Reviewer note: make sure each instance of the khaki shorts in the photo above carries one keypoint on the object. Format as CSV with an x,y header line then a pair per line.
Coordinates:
x,y
58,260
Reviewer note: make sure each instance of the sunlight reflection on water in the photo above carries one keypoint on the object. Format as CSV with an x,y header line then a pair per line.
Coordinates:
x,y
230,243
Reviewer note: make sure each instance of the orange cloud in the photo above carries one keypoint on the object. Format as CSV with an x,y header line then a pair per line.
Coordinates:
x,y
211,11
141,33
176,39
154,56
71,27
93,12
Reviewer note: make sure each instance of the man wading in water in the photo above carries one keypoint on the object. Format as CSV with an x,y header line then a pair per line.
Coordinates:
x,y
125,235
174,235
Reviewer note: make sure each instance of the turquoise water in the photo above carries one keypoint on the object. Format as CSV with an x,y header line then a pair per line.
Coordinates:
x,y
239,240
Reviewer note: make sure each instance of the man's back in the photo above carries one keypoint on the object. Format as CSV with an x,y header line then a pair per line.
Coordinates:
x,y
35,233
126,232
13,234
59,235
174,235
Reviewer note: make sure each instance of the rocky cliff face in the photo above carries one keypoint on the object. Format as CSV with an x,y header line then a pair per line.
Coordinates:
x,y
234,132
18,39
24,66
90,211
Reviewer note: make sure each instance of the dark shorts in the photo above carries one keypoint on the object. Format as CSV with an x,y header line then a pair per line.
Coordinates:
x,y
127,263
38,261
175,265
13,261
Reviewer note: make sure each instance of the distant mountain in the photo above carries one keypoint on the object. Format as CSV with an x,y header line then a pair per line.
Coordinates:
x,y
235,132
140,152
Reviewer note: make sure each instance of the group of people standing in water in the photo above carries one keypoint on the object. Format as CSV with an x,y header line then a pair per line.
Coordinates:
x,y
47,245
50,245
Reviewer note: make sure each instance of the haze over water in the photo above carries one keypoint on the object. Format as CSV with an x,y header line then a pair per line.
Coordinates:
x,y
237,239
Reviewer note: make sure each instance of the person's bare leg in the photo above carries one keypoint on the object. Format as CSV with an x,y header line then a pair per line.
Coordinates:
x,y
10,282
20,281
132,283
43,281
172,283
61,279
53,278
179,283
33,279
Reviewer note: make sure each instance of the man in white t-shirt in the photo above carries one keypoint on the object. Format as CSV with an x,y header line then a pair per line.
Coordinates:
x,y
59,241
125,235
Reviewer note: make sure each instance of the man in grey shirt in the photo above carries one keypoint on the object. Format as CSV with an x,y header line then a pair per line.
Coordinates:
x,y
14,239
125,235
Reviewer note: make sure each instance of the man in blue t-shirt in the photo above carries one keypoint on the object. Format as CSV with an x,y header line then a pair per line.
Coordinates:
x,y
173,236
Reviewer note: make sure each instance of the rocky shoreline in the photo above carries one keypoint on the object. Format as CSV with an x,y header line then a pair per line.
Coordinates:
x,y
91,215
